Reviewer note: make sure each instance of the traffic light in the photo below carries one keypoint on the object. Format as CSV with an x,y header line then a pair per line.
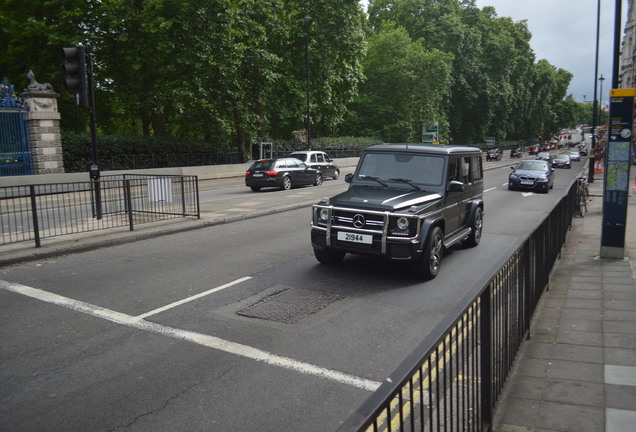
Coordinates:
x,y
76,67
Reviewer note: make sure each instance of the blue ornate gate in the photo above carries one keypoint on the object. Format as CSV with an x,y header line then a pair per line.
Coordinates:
x,y
15,155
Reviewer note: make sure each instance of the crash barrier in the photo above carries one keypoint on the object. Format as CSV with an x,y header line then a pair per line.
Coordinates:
x,y
452,381
38,211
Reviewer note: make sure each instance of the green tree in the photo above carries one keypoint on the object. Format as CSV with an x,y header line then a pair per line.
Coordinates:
x,y
405,86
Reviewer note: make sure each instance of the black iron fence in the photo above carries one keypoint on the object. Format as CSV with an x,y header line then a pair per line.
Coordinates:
x,y
35,212
452,381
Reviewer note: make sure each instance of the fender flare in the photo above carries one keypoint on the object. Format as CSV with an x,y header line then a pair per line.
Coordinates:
x,y
473,208
426,228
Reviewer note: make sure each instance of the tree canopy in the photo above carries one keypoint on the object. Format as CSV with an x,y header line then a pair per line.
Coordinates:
x,y
232,72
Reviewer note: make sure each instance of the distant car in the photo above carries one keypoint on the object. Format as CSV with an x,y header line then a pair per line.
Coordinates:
x,y
545,155
562,161
583,151
575,156
534,175
493,154
318,160
516,153
283,173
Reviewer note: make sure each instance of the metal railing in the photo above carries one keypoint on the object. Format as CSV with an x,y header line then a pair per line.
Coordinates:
x,y
35,212
452,381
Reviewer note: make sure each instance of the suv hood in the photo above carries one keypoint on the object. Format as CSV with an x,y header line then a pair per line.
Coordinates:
x,y
381,198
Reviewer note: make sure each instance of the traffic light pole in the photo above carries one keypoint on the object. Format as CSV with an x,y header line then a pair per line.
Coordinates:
x,y
79,66
94,169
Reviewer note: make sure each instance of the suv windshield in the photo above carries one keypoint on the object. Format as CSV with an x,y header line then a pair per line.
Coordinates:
x,y
404,168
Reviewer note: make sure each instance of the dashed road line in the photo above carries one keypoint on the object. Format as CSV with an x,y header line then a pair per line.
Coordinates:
x,y
198,338
194,297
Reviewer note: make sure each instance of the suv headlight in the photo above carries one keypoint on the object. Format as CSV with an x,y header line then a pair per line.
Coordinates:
x,y
402,223
321,216
402,226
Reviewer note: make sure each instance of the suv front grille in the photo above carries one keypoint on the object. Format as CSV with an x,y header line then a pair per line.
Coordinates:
x,y
358,220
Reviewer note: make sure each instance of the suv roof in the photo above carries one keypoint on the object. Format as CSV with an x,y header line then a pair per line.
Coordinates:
x,y
424,148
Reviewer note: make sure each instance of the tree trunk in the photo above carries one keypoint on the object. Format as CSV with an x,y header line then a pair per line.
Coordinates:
x,y
240,133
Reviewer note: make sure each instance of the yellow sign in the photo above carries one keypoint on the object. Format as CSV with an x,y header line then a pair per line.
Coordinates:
x,y
623,92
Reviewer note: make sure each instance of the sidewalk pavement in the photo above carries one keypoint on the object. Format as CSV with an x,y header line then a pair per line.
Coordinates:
x,y
577,372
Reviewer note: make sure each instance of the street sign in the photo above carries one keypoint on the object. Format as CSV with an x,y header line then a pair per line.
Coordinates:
x,y
616,181
430,132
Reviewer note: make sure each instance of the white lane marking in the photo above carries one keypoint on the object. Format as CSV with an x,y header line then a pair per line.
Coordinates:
x,y
194,297
488,190
198,338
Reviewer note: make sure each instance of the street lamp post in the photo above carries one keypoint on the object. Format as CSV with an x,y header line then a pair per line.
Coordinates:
x,y
590,174
307,19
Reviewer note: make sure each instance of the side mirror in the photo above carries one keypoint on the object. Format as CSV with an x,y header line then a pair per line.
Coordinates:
x,y
348,178
456,186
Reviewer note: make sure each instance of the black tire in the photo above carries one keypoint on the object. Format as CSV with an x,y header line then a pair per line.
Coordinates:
x,y
336,174
287,183
255,188
318,180
328,256
478,224
429,263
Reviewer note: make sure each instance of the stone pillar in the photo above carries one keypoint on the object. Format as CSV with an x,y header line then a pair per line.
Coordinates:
x,y
43,131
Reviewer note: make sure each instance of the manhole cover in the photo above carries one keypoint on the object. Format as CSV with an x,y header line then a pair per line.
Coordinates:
x,y
290,305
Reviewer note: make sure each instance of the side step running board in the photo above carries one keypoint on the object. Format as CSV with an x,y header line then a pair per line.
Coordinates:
x,y
457,237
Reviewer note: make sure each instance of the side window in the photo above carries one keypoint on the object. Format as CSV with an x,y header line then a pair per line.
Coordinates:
x,y
313,158
319,157
453,169
292,164
466,178
476,168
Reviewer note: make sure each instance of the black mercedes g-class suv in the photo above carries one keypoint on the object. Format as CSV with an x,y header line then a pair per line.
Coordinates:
x,y
405,202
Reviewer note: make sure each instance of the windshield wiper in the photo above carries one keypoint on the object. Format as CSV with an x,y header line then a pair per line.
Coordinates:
x,y
407,181
373,178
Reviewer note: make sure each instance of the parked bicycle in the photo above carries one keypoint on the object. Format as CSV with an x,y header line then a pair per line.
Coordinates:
x,y
582,196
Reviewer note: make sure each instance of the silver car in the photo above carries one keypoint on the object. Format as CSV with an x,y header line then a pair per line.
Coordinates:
x,y
318,160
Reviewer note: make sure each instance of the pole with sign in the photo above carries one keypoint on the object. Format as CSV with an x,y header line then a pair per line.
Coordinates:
x,y
616,181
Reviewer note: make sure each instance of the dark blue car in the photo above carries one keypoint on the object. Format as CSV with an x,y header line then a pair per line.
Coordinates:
x,y
532,175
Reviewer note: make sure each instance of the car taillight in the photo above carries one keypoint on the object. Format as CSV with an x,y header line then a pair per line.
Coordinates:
x,y
247,173
271,173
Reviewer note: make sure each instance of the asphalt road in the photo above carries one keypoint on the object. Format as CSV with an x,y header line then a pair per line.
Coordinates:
x,y
235,327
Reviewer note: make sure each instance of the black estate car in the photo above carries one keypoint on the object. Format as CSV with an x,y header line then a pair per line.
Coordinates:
x,y
405,202
283,173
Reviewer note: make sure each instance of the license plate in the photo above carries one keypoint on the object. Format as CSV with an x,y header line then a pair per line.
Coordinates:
x,y
257,175
527,182
355,238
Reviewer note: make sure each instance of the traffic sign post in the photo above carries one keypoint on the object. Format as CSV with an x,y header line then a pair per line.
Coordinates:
x,y
616,181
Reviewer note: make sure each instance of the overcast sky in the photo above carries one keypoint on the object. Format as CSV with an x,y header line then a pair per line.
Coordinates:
x,y
564,33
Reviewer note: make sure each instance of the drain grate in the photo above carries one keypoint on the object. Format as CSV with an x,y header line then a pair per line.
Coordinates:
x,y
290,305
